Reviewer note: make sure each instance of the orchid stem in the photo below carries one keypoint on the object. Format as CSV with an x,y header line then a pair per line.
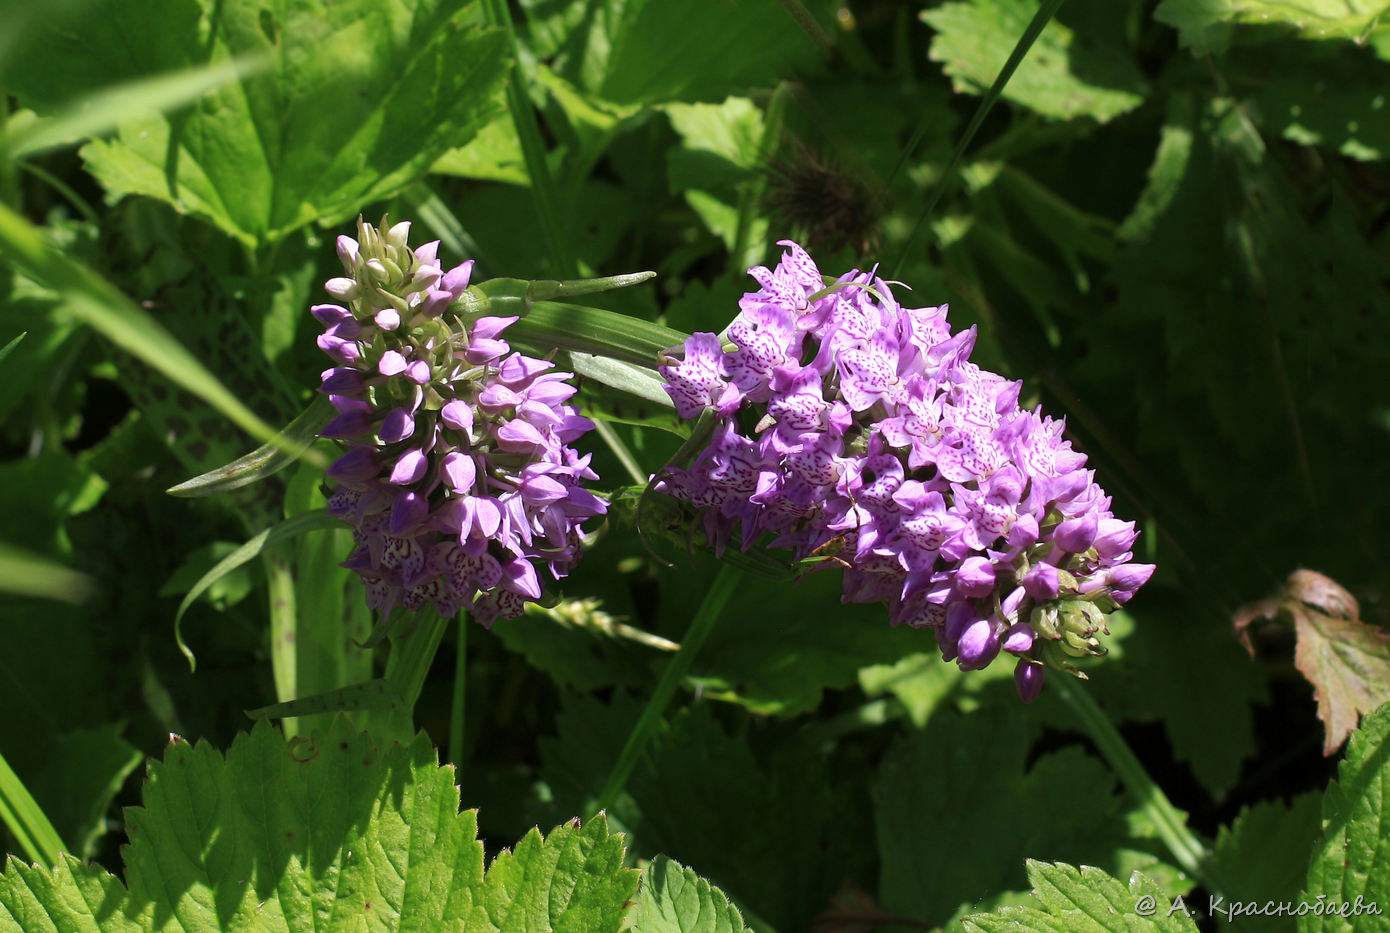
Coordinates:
x,y
1189,851
716,597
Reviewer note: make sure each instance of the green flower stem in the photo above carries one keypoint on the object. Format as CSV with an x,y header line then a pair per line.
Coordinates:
x,y
413,652
456,710
27,821
1025,42
710,609
1189,851
533,150
284,634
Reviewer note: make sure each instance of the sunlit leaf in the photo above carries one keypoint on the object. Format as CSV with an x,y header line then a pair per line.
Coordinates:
x,y
974,39
1348,866
330,832
1087,900
1209,25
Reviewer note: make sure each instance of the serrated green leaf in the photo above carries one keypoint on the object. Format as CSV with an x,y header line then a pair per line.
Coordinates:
x,y
778,799
1348,865
673,899
1087,900
1209,25
330,832
573,879
1339,103
975,38
358,101
951,781
1263,855
638,51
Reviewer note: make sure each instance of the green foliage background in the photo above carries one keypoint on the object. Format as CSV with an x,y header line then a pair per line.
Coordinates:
x,y
1174,228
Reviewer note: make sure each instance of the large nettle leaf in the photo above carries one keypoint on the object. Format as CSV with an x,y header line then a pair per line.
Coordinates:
x,y
640,51
967,777
974,39
1348,877
335,832
1208,25
1346,660
355,100
1087,900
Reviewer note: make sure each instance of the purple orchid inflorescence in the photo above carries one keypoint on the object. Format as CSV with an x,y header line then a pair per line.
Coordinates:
x,y
848,425
457,478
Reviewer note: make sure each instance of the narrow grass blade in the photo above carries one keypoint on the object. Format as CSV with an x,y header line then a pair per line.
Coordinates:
x,y
101,112
27,821
290,444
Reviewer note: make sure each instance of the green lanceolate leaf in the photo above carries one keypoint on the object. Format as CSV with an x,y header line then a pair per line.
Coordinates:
x,y
375,694
974,38
299,524
268,459
1087,900
8,348
673,899
329,833
1349,864
553,325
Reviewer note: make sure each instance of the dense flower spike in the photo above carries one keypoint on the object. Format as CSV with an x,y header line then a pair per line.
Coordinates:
x,y
853,426
457,479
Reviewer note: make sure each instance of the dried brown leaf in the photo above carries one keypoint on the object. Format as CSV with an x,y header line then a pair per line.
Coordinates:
x,y
1345,659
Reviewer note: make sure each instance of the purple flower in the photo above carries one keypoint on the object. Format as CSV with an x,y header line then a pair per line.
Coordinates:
x,y
458,479
872,427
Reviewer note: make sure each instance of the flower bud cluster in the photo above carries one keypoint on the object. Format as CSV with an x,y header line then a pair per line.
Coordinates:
x,y
458,477
851,426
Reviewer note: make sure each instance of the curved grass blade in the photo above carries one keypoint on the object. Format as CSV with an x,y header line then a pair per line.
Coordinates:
x,y
102,306
291,444
298,525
